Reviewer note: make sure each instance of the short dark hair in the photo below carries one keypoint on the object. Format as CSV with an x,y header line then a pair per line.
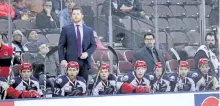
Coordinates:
x,y
210,34
47,1
78,8
149,34
17,1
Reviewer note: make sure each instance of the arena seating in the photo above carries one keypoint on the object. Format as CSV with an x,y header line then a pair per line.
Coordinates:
x,y
181,17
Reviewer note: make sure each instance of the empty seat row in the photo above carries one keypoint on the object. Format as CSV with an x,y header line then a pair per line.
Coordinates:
x,y
175,10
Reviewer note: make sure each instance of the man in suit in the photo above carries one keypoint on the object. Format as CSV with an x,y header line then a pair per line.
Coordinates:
x,y
77,43
149,53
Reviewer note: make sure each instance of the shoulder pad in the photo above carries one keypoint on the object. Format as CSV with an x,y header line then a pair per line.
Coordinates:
x,y
125,78
59,81
112,77
172,78
81,79
33,78
194,75
3,79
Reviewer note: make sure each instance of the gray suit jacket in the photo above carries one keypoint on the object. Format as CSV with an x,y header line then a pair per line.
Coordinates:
x,y
145,55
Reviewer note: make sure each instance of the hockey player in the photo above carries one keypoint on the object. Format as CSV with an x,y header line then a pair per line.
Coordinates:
x,y
183,81
203,77
104,83
12,93
136,82
25,82
163,85
6,53
70,84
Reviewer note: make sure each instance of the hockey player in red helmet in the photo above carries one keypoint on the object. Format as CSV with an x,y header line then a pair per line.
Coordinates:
x,y
136,82
73,85
104,83
8,92
203,77
26,82
184,81
25,71
163,85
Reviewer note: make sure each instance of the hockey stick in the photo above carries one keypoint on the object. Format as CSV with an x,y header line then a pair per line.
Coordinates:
x,y
10,75
117,59
213,72
117,64
52,51
163,71
177,57
97,76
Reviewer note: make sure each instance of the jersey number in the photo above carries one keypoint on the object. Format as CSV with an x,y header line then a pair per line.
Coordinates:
x,y
56,91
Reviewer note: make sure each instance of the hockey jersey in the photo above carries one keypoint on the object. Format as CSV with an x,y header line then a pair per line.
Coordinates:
x,y
65,87
32,84
162,86
201,81
131,79
103,88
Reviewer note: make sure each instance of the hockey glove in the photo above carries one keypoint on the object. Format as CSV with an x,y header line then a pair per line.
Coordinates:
x,y
143,89
127,88
30,94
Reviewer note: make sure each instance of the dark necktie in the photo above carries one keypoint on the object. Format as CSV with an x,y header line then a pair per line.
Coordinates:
x,y
154,56
79,44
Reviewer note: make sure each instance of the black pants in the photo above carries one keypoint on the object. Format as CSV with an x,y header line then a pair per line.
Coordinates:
x,y
83,69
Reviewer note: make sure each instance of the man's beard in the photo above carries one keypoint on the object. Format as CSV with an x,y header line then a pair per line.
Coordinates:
x,y
150,45
77,20
211,46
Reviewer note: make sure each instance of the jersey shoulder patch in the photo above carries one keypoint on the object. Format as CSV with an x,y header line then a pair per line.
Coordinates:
x,y
172,78
194,75
125,78
12,81
59,80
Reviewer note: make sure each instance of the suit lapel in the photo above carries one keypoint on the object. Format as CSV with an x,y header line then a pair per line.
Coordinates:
x,y
74,34
148,55
84,35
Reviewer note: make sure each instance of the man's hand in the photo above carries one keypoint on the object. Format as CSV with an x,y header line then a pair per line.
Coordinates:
x,y
63,63
48,11
84,55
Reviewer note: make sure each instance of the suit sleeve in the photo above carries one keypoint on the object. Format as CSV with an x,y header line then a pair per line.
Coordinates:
x,y
62,45
200,54
92,46
137,56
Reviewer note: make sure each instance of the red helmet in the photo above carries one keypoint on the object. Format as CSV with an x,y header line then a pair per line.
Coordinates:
x,y
73,64
140,63
203,61
25,66
105,66
184,64
158,65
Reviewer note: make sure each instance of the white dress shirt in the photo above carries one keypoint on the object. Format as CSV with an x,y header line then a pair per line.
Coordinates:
x,y
80,29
